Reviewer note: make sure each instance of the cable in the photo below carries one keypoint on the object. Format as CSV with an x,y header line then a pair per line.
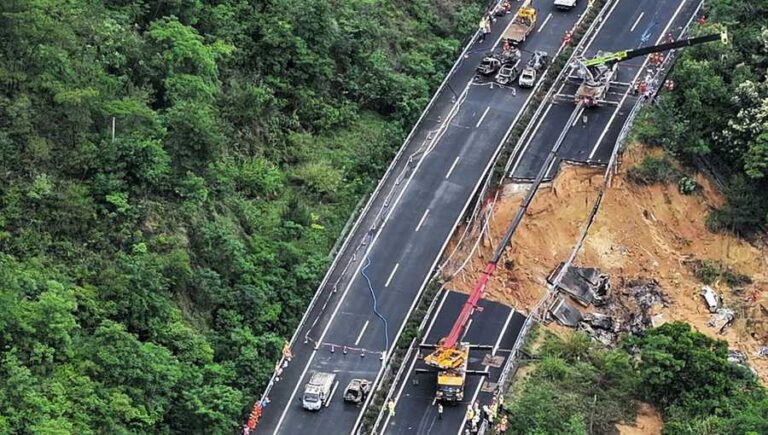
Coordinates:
x,y
375,303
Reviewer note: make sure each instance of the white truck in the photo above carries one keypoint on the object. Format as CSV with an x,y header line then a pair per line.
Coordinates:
x,y
565,4
318,391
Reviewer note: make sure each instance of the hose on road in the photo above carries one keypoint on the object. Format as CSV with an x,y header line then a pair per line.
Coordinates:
x,y
375,303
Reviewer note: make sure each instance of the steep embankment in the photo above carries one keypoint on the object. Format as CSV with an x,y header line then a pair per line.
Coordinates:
x,y
640,232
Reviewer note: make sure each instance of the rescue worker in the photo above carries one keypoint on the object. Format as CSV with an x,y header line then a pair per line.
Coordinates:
x,y
391,407
485,28
439,411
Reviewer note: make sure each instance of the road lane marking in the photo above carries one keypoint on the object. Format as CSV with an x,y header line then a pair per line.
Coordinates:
x,y
503,331
626,94
421,222
545,23
362,331
333,391
530,138
391,275
578,116
437,312
637,22
452,167
483,117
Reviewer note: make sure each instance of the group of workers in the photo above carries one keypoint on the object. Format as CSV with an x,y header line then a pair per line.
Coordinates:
x,y
502,8
477,414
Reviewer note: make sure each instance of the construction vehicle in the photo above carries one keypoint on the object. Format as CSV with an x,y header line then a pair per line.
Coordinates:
x,y
521,25
565,4
450,382
357,390
597,74
318,391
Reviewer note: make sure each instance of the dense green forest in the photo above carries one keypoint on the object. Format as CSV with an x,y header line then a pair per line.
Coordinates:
x,y
718,112
578,388
173,177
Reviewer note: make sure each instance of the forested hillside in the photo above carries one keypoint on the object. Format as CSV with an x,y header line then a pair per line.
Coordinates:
x,y
173,176
718,112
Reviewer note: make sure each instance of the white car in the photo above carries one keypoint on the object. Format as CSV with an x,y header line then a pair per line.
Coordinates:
x,y
565,4
527,77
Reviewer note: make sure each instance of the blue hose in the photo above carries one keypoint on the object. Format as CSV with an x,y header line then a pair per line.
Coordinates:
x,y
375,304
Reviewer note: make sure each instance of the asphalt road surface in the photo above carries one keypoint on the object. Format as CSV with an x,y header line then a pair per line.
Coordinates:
x,y
463,132
415,411
630,24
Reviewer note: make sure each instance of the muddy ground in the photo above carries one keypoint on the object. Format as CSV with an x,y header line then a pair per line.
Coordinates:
x,y
641,232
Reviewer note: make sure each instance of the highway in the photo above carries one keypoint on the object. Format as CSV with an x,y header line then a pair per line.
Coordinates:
x,y
630,24
392,250
415,412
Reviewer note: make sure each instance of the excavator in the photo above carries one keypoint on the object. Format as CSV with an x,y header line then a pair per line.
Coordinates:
x,y
597,74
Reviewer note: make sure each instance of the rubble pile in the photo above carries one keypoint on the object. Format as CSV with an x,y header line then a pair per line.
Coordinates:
x,y
631,309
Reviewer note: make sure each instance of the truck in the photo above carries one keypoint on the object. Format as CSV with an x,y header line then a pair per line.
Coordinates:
x,y
521,25
450,382
318,391
565,4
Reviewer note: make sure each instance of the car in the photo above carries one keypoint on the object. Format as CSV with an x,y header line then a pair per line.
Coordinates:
x,y
507,73
527,77
489,65
565,4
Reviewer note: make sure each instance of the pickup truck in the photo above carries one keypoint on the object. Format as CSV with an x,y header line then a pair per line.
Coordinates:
x,y
318,391
565,4
521,25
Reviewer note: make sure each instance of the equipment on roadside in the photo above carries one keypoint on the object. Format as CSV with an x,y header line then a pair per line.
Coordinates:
x,y
597,74
318,391
357,390
522,24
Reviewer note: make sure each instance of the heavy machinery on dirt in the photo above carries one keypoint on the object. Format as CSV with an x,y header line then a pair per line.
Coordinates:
x,y
596,75
522,24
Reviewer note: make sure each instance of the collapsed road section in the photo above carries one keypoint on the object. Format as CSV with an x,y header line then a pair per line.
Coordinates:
x,y
362,305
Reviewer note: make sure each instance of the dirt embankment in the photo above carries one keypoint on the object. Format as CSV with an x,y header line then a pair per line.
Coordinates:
x,y
640,232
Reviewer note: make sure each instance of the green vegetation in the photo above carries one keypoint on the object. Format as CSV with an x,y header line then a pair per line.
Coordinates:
x,y
719,112
578,388
654,170
150,277
709,271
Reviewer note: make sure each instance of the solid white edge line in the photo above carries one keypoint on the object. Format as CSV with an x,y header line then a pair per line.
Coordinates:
x,y
421,221
482,117
391,275
453,166
503,331
362,331
637,22
333,391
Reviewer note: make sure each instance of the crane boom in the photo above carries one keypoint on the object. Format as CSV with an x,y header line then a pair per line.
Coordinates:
x,y
620,56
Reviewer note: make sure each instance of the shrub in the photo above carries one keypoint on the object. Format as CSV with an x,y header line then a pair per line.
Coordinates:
x,y
653,170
